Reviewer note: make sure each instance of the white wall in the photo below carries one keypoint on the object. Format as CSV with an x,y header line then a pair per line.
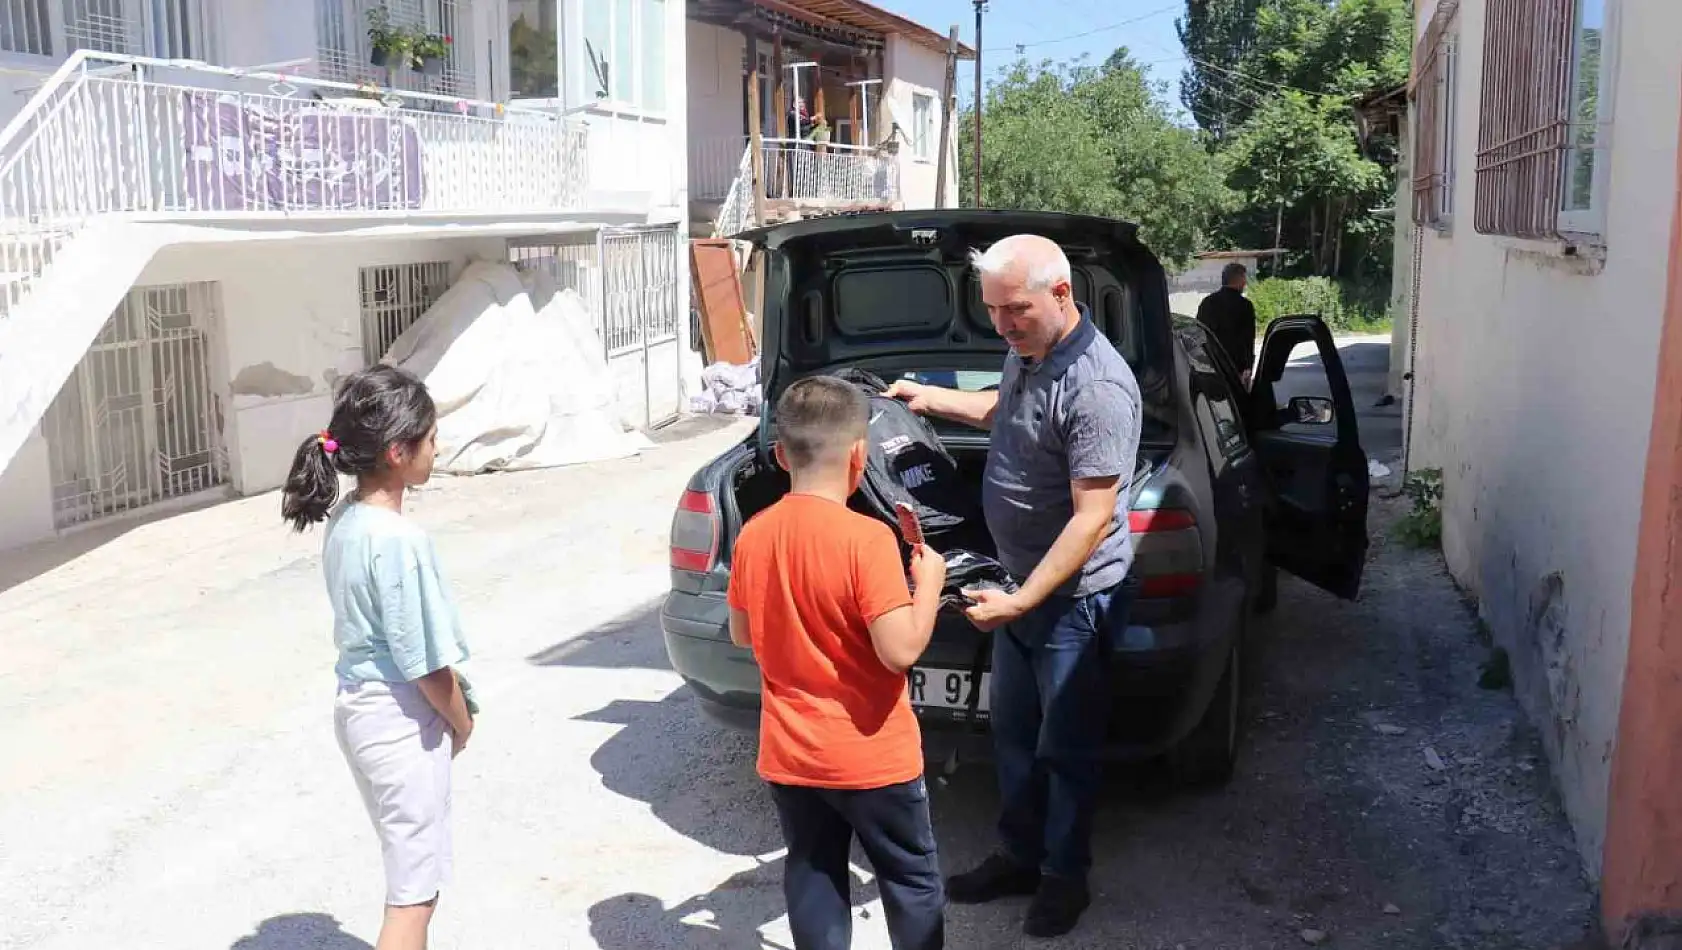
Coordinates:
x,y
26,495
1534,395
911,70
1401,276
291,326
257,32
716,91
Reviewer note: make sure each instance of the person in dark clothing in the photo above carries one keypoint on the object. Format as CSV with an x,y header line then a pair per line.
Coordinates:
x,y
1230,317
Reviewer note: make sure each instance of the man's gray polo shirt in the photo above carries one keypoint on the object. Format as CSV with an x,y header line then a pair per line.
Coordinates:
x,y
1076,414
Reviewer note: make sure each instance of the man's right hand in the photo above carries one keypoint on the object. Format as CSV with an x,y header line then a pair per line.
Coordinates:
x,y
975,409
914,395
928,569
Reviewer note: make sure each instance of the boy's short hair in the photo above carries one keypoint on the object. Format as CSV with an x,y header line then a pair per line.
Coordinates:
x,y
819,418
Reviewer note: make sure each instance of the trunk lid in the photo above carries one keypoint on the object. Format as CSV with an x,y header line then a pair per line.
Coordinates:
x,y
895,292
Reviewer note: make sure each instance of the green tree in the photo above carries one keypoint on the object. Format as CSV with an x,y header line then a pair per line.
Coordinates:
x,y
1272,84
1297,157
1215,32
1096,140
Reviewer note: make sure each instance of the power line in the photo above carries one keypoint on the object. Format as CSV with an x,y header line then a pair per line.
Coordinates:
x,y
1255,81
1084,34
1248,78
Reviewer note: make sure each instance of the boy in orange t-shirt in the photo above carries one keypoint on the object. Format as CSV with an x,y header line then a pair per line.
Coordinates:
x,y
818,593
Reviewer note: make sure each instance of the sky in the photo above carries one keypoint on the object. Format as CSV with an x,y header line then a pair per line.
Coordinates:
x,y
1058,29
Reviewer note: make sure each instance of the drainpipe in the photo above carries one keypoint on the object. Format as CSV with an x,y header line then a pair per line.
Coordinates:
x,y
1641,877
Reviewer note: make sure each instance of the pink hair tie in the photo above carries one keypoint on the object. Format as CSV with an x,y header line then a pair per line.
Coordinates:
x,y
328,444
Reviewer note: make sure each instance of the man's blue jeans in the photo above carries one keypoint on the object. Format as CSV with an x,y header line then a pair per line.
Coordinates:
x,y
1050,708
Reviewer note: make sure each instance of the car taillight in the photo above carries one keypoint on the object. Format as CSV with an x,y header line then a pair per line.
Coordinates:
x,y
1152,521
1169,585
694,533
1168,550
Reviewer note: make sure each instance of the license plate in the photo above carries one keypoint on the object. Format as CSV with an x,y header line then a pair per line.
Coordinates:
x,y
934,688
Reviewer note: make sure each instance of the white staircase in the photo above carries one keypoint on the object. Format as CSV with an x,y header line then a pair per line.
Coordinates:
x,y
57,316
111,146
53,273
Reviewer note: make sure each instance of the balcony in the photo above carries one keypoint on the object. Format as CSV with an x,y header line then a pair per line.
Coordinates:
x,y
802,178
114,135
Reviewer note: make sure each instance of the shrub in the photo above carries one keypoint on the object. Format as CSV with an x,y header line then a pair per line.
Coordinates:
x,y
1344,305
1422,527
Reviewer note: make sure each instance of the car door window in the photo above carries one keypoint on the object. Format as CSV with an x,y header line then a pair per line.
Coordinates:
x,y
1213,396
1304,376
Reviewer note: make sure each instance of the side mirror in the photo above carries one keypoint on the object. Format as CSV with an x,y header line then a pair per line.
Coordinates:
x,y
1309,411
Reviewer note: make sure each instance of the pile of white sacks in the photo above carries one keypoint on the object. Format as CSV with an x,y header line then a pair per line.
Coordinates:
x,y
728,388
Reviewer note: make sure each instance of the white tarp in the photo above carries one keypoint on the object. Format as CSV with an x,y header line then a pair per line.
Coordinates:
x,y
518,373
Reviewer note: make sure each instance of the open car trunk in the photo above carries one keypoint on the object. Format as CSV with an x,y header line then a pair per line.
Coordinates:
x,y
759,485
895,295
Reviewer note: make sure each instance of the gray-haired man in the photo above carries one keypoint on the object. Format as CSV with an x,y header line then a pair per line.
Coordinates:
x,y
1065,433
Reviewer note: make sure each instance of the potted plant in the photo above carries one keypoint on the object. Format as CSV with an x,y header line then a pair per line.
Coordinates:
x,y
430,51
820,131
387,43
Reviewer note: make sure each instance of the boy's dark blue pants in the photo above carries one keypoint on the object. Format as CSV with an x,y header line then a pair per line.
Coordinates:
x,y
894,830
1050,702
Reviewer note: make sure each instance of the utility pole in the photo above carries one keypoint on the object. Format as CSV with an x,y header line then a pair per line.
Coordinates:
x,y
948,104
980,5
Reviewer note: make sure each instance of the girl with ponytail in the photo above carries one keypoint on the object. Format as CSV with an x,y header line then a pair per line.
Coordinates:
x,y
403,711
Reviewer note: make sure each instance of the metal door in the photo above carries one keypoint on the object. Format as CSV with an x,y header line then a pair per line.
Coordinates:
x,y
136,422
640,312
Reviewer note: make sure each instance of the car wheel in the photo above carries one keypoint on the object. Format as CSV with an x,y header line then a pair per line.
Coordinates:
x,y
1267,597
1206,756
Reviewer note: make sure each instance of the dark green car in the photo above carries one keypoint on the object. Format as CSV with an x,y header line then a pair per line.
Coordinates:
x,y
1230,485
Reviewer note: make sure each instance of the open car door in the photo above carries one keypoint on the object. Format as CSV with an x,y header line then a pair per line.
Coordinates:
x,y
1310,450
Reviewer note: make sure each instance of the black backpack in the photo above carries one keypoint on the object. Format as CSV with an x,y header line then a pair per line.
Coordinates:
x,y
907,463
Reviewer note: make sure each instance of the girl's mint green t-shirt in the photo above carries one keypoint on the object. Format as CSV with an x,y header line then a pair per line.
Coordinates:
x,y
393,618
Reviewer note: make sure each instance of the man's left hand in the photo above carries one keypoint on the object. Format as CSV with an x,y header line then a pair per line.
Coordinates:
x,y
993,609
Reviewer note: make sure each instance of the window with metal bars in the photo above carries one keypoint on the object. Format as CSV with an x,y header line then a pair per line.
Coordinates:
x,y
25,27
171,29
394,296
1435,90
1540,117
138,421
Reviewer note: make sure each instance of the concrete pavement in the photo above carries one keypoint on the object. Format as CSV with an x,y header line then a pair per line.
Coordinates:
x,y
172,780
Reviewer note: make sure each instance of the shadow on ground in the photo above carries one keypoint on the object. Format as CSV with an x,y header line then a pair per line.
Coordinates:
x,y
699,780
21,565
1382,800
300,932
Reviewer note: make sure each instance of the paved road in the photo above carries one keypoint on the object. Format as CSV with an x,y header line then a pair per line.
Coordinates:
x,y
172,781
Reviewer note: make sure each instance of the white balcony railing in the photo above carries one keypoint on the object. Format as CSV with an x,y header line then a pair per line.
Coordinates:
x,y
808,175
736,214
712,165
123,135
836,175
